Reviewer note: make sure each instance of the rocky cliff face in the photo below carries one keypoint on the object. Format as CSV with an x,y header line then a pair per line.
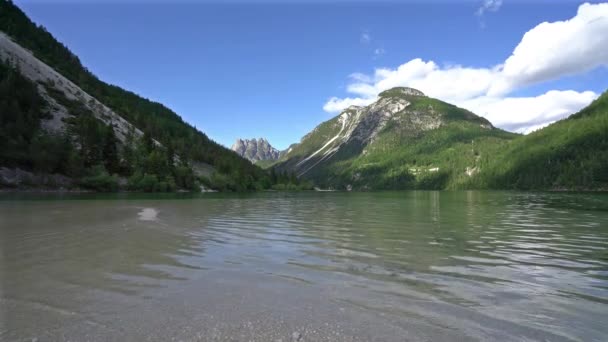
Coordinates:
x,y
256,149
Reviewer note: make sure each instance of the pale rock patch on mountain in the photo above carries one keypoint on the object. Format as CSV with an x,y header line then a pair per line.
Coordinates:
x,y
45,77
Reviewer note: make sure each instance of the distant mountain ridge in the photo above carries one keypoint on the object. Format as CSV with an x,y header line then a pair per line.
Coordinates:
x,y
255,149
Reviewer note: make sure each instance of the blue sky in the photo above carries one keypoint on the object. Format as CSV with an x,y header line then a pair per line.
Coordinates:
x,y
247,69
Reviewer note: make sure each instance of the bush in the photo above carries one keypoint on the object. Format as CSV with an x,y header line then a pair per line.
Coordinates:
x,y
221,182
151,183
100,180
147,182
433,180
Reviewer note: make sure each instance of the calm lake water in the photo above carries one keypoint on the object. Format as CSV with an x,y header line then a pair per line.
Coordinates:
x,y
394,266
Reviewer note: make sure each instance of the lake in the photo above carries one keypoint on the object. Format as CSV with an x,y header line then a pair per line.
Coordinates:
x,y
385,266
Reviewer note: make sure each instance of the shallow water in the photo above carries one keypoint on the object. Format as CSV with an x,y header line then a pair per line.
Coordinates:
x,y
388,266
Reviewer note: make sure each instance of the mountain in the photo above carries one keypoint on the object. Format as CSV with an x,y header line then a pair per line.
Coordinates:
x,y
59,118
62,126
571,154
403,140
255,150
406,140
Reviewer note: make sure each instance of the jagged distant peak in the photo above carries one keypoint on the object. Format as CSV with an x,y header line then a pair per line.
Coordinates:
x,y
255,149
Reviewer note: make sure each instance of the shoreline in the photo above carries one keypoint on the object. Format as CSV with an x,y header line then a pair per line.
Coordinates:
x,y
42,190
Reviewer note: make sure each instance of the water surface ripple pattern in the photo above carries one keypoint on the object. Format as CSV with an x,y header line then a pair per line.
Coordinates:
x,y
424,265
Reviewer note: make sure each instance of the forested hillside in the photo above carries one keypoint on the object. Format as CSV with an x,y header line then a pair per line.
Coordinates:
x,y
406,140
154,119
89,150
571,154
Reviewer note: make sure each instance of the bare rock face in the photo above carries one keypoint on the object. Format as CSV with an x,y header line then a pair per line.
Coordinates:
x,y
46,77
17,178
256,149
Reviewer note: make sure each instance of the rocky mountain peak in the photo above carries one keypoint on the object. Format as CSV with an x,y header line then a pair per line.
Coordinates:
x,y
255,149
401,91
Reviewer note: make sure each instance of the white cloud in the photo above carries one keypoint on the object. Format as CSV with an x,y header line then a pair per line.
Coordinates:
x,y
546,52
365,37
357,76
336,104
525,114
451,83
379,52
489,6
553,50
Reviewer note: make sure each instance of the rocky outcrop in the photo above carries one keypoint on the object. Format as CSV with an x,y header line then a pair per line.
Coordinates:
x,y
256,149
15,178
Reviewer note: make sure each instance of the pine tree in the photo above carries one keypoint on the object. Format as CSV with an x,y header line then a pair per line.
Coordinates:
x,y
110,152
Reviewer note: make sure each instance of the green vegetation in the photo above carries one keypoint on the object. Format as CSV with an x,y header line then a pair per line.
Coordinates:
x,y
571,154
265,164
464,152
100,180
89,151
428,145
448,111
288,181
22,142
405,153
314,140
436,160
154,119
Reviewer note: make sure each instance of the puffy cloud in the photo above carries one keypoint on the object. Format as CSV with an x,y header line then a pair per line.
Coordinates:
x,y
450,83
552,50
357,76
546,52
525,114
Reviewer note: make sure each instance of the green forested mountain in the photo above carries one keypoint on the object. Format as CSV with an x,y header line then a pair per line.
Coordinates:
x,y
88,139
571,154
404,140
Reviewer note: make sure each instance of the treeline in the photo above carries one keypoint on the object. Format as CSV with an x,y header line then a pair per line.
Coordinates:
x,y
159,122
571,154
21,109
433,160
89,152
288,181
